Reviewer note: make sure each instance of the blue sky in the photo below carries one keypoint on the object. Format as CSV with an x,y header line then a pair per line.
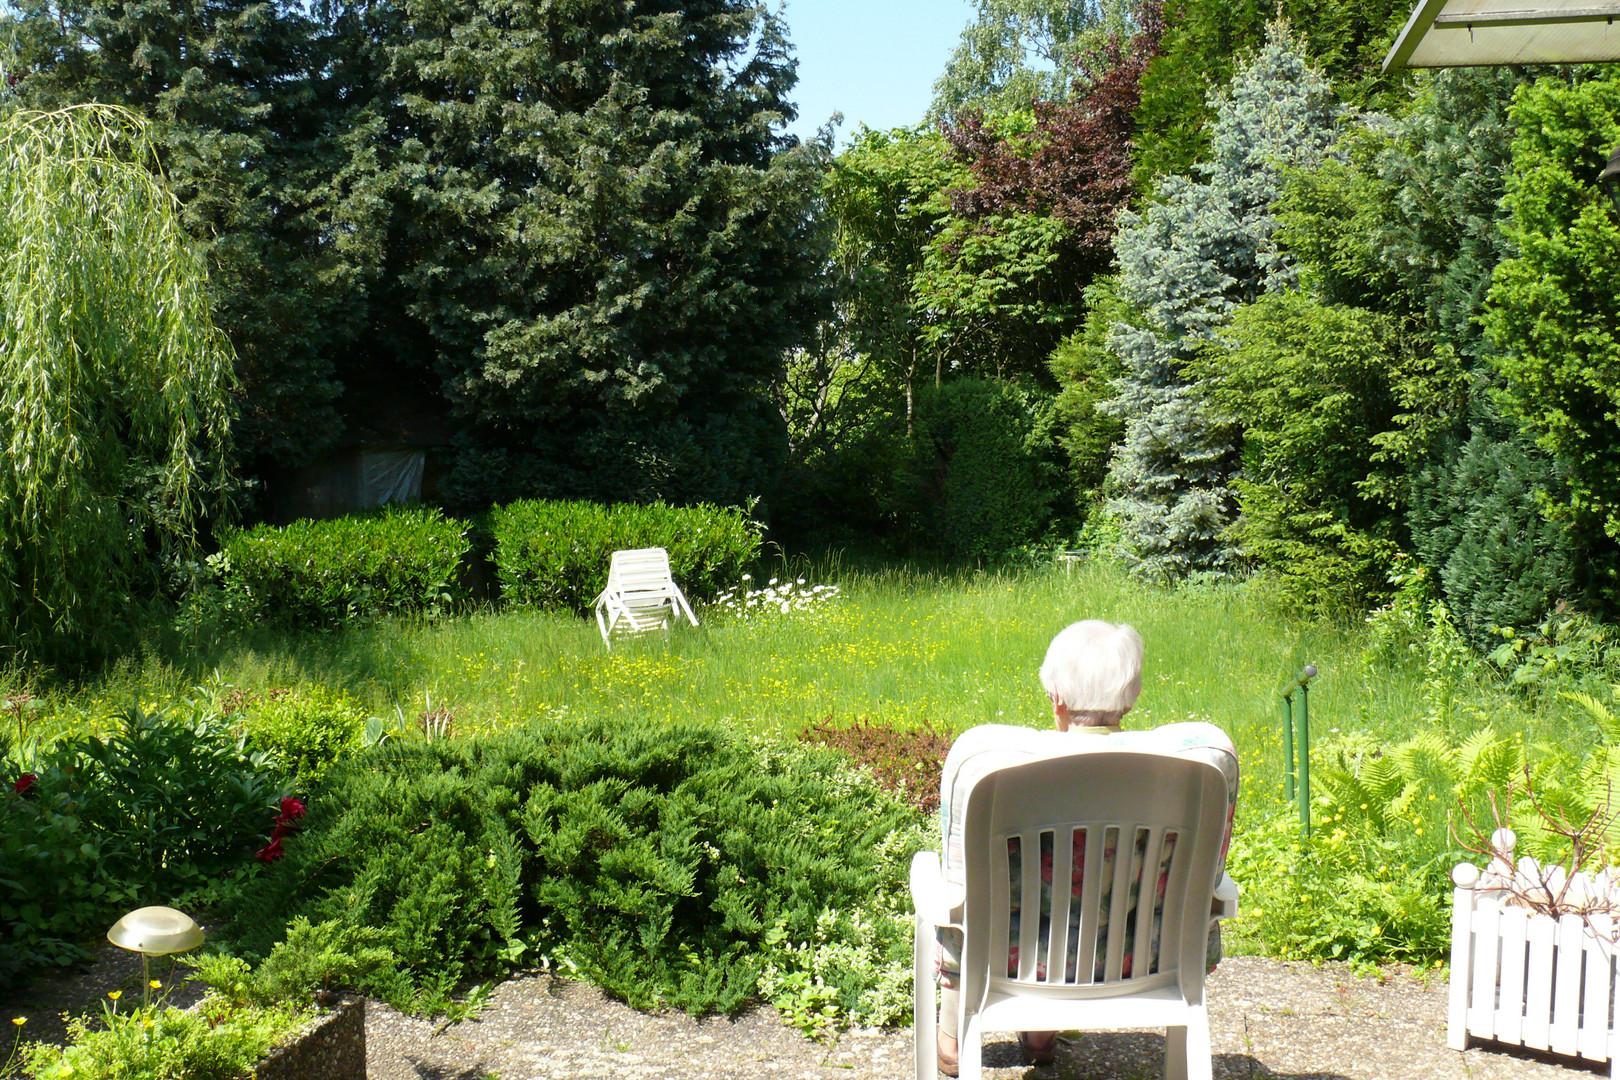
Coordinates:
x,y
873,60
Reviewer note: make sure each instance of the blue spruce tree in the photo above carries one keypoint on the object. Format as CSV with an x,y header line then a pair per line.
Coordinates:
x,y
1196,254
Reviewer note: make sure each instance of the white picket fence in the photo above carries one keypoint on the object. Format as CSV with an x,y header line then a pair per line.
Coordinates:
x,y
1529,979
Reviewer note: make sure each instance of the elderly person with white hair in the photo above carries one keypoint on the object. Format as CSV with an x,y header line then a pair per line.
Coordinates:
x,y
1093,675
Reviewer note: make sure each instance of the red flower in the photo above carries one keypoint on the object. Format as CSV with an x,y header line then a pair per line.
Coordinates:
x,y
270,852
291,811
25,783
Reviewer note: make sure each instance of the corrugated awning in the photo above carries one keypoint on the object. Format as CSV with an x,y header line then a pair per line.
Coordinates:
x,y
1473,33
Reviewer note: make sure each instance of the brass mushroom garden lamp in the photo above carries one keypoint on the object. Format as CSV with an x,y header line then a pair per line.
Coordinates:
x,y
154,931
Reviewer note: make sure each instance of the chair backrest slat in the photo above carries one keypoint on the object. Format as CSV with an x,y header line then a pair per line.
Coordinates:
x,y
1030,925
1000,924
1090,901
1057,955
1146,959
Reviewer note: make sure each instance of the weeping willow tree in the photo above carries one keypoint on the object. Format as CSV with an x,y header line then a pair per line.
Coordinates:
x,y
115,387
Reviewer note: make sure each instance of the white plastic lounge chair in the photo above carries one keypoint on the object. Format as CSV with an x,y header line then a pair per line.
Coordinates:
x,y
1129,816
641,596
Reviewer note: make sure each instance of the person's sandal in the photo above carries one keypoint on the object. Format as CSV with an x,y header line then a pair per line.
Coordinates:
x,y
951,1065
1038,1051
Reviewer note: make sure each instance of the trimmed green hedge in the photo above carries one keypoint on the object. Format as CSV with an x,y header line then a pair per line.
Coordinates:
x,y
319,573
556,554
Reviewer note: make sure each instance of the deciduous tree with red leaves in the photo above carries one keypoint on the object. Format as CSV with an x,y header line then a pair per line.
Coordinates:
x,y
1076,162
1005,278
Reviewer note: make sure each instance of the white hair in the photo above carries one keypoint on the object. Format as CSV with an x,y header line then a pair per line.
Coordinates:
x,y
1094,666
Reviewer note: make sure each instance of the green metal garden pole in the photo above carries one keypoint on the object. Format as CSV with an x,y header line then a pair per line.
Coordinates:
x,y
1305,755
1288,741
1298,787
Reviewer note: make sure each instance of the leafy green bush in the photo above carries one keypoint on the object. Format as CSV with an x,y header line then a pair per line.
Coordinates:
x,y
1372,882
659,863
1085,368
1343,895
1567,648
319,573
1309,382
306,728
556,554
170,804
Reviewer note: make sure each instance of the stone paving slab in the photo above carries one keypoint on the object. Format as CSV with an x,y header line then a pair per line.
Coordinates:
x,y
1270,1020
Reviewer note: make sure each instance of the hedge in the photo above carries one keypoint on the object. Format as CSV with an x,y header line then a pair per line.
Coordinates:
x,y
555,555
319,573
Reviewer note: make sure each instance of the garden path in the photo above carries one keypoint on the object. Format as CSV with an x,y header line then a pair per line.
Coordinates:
x,y
1288,1021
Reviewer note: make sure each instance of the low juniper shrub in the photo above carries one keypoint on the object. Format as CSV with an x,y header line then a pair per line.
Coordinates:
x,y
555,555
668,865
311,965
906,761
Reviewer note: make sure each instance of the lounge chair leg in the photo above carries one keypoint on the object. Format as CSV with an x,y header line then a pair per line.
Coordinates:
x,y
1175,1053
925,1012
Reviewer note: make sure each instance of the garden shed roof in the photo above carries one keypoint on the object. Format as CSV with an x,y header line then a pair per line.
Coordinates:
x,y
1471,33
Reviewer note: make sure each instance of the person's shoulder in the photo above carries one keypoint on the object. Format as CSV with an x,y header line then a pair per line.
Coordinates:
x,y
996,736
1192,734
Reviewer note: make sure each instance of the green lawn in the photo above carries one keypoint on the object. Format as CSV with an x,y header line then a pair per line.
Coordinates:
x,y
953,650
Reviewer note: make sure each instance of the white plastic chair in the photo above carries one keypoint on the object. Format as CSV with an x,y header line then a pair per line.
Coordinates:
x,y
641,596
1141,803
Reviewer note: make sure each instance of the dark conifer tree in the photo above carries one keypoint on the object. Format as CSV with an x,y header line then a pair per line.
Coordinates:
x,y
606,239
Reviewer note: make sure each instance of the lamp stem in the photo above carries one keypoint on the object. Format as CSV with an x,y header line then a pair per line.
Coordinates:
x,y
146,982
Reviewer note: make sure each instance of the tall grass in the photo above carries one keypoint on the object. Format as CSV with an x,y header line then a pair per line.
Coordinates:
x,y
952,649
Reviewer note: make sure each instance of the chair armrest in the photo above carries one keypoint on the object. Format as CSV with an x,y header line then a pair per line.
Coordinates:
x,y
934,898
1226,898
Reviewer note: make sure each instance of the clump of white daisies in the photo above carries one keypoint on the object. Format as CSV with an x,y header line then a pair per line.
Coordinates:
x,y
779,597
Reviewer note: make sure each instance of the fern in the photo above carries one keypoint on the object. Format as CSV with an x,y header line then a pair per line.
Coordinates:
x,y
1608,723
1490,762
